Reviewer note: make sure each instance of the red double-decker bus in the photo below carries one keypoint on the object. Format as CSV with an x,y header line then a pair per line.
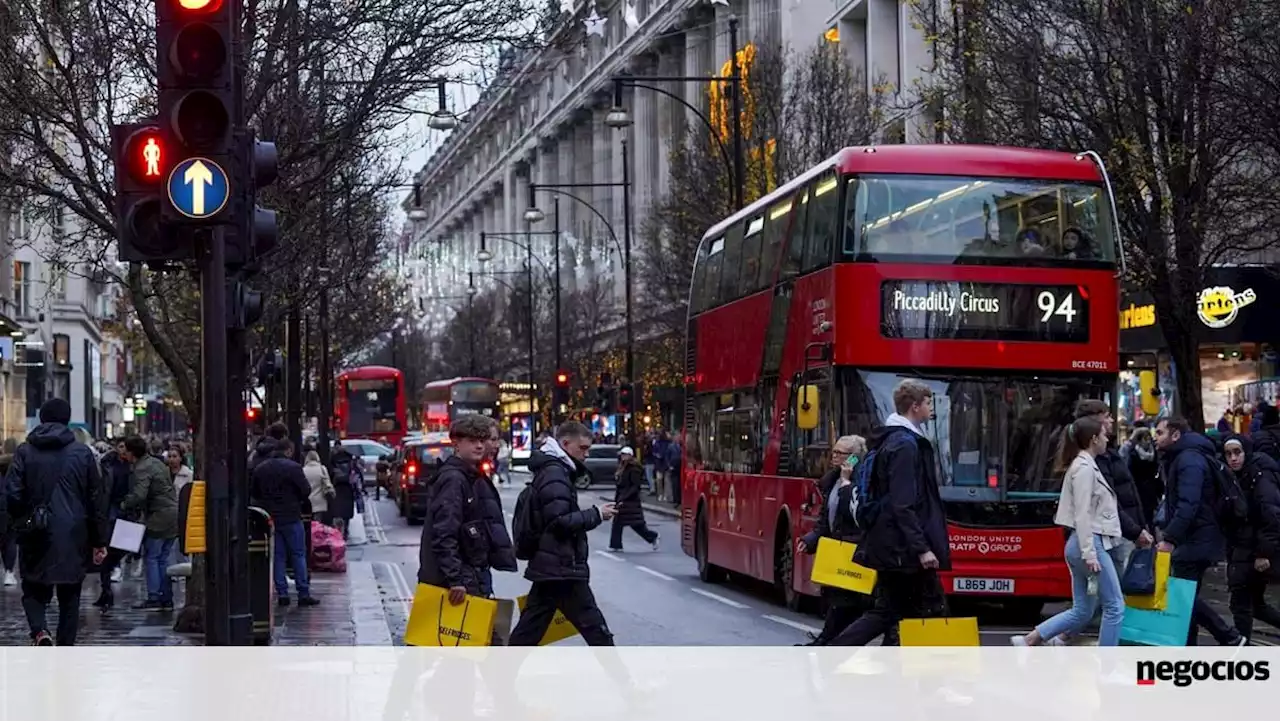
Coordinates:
x,y
990,273
446,400
371,403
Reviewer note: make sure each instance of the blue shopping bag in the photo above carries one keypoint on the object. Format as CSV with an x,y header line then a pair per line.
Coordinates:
x,y
1161,628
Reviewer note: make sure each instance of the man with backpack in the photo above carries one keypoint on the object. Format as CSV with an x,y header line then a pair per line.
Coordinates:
x,y
1199,501
897,504
551,534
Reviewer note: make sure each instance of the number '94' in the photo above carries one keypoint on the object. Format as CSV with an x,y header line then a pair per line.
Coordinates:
x,y
1050,306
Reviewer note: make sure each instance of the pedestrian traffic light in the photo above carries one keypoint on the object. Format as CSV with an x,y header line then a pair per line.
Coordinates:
x,y
141,157
560,393
625,399
196,79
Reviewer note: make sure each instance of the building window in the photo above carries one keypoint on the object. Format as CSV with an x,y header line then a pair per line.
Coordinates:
x,y
58,281
22,288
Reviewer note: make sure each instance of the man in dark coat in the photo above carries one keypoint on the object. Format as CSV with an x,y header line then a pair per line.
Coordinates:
x,y
906,542
1254,546
628,484
1267,438
559,569
116,475
1191,530
464,536
55,500
153,498
342,466
280,488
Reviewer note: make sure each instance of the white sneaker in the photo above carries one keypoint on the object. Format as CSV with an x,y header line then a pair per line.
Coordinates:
x,y
656,539
1018,640
116,575
10,579
1055,641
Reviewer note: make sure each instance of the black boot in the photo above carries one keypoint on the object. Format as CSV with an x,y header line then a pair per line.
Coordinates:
x,y
106,600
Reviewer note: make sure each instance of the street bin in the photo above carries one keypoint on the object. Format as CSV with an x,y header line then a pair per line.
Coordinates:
x,y
261,586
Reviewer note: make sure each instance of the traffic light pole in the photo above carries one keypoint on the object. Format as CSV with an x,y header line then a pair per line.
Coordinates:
x,y
211,258
240,626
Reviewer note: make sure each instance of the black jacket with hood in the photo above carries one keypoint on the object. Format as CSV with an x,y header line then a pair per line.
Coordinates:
x,y
562,553
53,470
1190,522
1128,499
913,520
464,534
1260,482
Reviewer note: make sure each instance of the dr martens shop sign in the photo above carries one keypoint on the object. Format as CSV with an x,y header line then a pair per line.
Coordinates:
x,y
1226,311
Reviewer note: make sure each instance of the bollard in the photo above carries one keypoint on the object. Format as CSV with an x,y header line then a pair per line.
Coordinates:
x,y
261,587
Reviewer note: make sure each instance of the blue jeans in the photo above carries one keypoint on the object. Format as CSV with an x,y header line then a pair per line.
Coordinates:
x,y
155,554
291,547
1075,619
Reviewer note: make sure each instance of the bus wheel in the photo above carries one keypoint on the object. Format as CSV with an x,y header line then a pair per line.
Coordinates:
x,y
784,571
707,572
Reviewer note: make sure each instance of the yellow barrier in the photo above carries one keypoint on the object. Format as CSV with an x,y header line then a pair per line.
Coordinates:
x,y
195,532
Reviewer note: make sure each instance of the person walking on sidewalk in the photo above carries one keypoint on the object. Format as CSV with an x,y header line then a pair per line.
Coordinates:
x,y
1189,519
559,569
281,489
662,467
54,500
321,488
1254,547
628,482
153,498
116,474
8,540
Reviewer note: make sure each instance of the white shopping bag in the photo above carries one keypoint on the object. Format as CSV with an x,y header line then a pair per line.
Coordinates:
x,y
127,536
356,533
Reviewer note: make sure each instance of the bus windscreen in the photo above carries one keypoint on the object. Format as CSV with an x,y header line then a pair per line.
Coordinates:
x,y
371,406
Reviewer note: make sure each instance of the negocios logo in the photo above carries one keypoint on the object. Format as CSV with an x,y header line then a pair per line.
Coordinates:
x,y
1185,673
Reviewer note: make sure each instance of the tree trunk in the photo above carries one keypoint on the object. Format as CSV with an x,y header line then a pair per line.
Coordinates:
x,y
1185,351
191,617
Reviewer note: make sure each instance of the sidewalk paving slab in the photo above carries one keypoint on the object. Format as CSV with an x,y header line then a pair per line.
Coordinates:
x,y
350,613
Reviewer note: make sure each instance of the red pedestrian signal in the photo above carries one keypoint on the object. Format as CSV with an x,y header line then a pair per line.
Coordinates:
x,y
562,379
200,6
144,151
251,414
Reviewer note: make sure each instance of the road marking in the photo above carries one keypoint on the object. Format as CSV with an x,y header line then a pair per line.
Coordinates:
x,y
793,624
400,586
610,556
657,574
721,599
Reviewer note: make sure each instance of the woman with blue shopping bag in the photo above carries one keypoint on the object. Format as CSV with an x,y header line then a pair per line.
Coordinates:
x,y
1089,507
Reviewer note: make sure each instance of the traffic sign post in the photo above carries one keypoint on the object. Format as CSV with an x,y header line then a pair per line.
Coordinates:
x,y
198,188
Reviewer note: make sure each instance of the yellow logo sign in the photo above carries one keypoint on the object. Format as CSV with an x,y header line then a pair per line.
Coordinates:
x,y
1218,306
1137,316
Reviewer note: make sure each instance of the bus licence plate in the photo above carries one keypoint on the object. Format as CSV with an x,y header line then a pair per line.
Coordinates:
x,y
982,585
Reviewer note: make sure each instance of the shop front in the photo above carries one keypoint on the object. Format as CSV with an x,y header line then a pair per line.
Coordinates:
x,y
1237,335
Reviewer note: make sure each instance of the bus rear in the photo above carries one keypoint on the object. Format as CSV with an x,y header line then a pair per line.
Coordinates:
x,y
446,400
371,404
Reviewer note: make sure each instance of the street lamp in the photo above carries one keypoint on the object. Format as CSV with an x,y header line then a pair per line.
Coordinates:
x,y
484,256
534,214
417,212
619,118
442,119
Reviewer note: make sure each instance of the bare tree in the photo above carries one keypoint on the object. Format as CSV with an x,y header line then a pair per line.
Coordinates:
x,y
1154,86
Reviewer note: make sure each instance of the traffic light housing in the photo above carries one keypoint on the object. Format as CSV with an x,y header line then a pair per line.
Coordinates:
x,y
142,157
626,397
560,393
195,71
257,167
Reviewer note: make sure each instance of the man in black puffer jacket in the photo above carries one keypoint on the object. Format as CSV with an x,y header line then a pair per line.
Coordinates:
x,y
1267,438
1254,546
1116,471
464,536
559,569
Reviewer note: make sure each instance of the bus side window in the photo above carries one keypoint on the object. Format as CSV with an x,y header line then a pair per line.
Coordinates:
x,y
731,264
711,282
700,437
775,233
750,280
699,299
726,441
823,221
794,253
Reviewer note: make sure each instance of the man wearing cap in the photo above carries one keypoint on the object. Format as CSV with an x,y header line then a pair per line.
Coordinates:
x,y
628,482
56,503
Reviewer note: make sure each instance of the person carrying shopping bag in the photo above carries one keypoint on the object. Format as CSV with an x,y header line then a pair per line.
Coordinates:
x,y
1089,507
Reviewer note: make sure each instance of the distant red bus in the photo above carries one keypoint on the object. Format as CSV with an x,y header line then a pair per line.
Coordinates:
x,y
987,272
446,400
371,404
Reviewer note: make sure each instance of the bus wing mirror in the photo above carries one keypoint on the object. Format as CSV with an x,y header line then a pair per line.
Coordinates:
x,y
807,399
1149,393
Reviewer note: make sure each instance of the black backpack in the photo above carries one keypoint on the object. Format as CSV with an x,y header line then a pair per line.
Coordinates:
x,y
864,505
526,530
1231,507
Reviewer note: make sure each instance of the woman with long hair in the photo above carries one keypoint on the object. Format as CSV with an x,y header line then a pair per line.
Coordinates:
x,y
1088,506
629,480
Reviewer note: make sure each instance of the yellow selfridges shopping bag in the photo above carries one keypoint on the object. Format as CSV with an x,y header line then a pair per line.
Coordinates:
x,y
940,647
938,631
834,566
434,621
559,630
1159,600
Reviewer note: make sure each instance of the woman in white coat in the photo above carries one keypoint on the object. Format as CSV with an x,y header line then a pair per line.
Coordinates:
x,y
321,487
1087,506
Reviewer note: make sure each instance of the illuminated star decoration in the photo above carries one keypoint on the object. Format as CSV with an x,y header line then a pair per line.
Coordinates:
x,y
629,16
593,23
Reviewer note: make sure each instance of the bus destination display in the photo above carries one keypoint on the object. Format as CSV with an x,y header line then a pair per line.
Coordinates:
x,y
933,309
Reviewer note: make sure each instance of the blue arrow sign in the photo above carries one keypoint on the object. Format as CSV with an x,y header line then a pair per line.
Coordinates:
x,y
198,188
